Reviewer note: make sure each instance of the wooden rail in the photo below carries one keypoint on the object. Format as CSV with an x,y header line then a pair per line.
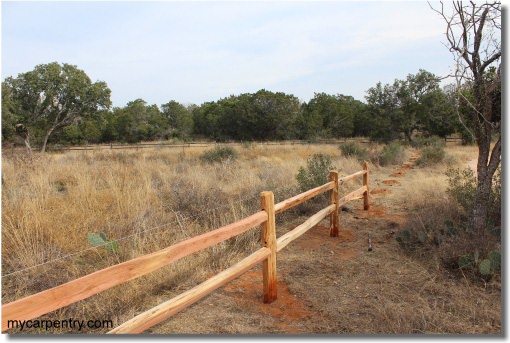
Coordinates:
x,y
52,299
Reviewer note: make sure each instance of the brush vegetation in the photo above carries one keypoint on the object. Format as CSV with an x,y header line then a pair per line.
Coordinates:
x,y
106,207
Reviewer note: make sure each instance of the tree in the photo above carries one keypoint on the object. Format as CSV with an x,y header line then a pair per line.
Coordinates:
x,y
414,104
384,111
179,118
336,113
275,114
260,116
9,118
53,96
138,121
473,34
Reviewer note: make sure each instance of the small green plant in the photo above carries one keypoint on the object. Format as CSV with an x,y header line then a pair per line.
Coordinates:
x,y
393,153
462,187
486,267
353,149
404,238
219,154
316,172
100,240
431,155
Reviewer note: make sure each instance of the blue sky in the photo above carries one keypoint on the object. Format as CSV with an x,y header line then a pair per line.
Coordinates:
x,y
194,52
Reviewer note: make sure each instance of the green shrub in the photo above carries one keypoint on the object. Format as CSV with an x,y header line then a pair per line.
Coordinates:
x,y
353,149
316,173
431,155
462,186
393,153
219,154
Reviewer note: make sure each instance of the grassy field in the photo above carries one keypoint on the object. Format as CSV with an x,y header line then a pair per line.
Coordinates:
x,y
153,198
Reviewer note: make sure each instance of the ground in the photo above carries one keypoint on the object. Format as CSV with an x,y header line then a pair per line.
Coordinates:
x,y
336,285
328,285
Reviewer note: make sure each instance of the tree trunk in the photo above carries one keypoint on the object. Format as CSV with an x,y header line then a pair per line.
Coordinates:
x,y
22,130
486,168
409,135
46,137
27,145
478,218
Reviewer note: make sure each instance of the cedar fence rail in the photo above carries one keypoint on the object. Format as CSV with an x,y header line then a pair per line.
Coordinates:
x,y
52,299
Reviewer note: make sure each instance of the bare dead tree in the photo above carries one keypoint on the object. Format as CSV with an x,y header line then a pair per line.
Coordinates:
x,y
473,35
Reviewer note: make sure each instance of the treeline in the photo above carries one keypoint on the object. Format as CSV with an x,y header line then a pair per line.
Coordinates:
x,y
397,110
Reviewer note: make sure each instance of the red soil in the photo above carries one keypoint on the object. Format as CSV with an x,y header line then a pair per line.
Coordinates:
x,y
391,182
287,309
380,191
373,211
398,174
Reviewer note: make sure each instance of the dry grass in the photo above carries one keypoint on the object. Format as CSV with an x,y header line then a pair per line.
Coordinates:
x,y
153,197
157,197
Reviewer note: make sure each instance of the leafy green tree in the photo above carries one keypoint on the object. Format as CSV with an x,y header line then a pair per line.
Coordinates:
x,y
406,106
276,115
179,118
260,116
53,96
333,115
138,121
9,117
383,111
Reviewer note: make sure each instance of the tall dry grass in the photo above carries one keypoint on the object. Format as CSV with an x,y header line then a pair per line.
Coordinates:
x,y
153,198
147,200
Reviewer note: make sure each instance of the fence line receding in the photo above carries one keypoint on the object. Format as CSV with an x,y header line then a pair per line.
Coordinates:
x,y
68,293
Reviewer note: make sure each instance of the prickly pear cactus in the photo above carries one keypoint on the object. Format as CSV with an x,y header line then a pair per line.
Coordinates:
x,y
100,240
96,240
485,267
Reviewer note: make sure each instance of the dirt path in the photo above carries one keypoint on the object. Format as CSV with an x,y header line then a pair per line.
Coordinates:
x,y
336,286
313,267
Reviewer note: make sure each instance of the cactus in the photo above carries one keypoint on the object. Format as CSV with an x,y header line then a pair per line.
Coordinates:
x,y
488,266
485,268
95,240
100,240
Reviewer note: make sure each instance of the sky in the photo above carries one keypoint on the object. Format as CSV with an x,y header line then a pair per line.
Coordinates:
x,y
198,51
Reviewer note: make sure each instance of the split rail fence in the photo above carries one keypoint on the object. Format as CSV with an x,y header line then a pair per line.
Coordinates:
x,y
52,299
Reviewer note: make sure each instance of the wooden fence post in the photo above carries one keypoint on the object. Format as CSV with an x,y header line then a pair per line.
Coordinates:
x,y
366,195
269,241
333,199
